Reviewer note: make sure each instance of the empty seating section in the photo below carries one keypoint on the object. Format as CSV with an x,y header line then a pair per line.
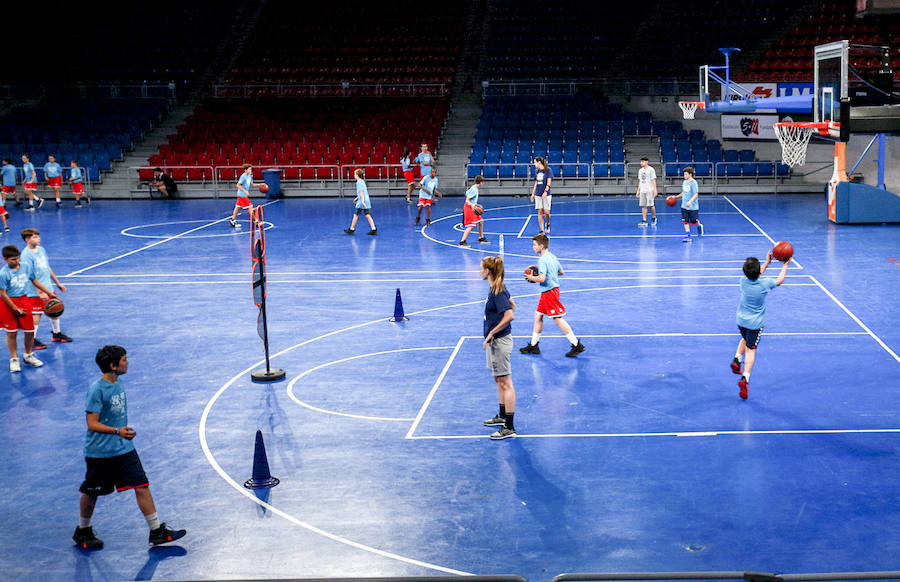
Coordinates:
x,y
95,132
790,59
309,138
363,43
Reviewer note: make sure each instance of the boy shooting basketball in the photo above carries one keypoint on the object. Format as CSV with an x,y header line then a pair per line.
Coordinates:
x,y
245,183
751,314
549,304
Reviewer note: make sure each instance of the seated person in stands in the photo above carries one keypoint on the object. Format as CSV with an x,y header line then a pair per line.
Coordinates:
x,y
164,183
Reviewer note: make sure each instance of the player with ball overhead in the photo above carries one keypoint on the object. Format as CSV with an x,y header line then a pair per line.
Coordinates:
x,y
751,312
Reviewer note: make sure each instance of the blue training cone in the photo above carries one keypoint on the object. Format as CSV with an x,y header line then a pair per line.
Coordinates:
x,y
261,478
398,309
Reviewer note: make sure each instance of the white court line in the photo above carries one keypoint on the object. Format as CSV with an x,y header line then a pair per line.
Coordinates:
x,y
647,235
292,396
501,246
527,220
630,213
434,388
681,334
856,319
758,227
159,242
811,431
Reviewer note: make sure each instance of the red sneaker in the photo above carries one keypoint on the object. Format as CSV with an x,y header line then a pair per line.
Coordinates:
x,y
743,384
736,366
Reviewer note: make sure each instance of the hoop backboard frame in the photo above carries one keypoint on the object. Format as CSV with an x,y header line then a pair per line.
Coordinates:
x,y
829,77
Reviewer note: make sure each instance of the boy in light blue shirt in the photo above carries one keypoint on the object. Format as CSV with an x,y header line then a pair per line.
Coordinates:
x,y
425,161
363,205
53,175
472,213
690,204
76,177
8,173
751,314
29,183
15,308
426,196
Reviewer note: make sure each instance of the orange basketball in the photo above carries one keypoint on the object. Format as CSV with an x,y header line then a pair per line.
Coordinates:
x,y
671,200
783,251
263,188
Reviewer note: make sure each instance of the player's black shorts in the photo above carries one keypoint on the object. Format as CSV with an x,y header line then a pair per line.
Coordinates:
x,y
751,336
118,473
690,216
362,211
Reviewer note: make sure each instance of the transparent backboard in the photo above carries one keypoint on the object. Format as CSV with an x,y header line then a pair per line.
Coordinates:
x,y
830,84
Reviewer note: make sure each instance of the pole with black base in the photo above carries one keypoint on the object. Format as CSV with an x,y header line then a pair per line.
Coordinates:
x,y
258,253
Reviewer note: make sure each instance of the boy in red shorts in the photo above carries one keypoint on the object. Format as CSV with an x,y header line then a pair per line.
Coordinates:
x,y
15,311
470,218
76,177
8,173
549,304
53,173
406,164
245,183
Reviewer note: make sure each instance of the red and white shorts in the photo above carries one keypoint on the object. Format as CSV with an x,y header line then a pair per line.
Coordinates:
x,y
243,202
78,187
30,185
37,304
425,202
408,174
9,189
57,181
10,322
550,305
469,216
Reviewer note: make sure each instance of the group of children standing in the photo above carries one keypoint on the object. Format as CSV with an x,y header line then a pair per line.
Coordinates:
x,y
53,173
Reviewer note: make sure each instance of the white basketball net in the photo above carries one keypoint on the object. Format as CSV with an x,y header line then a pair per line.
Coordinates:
x,y
688,108
794,140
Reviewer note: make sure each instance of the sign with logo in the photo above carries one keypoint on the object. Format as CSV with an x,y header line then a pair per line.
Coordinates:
x,y
792,89
749,126
759,90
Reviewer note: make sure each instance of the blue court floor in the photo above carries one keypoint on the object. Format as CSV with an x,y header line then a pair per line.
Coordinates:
x,y
638,455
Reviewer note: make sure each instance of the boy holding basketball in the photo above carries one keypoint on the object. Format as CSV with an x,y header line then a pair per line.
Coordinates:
x,y
245,183
647,192
426,196
34,259
15,309
470,217
362,204
690,205
549,304
751,314
112,462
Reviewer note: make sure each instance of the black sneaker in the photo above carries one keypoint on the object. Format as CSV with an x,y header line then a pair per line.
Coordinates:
x,y
496,421
503,433
417,222
40,202
85,539
736,366
463,243
576,349
58,204
87,200
233,223
18,203
59,337
39,345
530,349
77,204
164,535
373,232
427,222
483,241
653,223
349,231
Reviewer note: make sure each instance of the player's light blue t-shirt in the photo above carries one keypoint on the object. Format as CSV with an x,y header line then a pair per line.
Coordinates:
x,y
75,174
9,174
15,282
472,195
246,180
688,189
429,184
28,172
362,195
108,400
405,163
549,267
36,262
52,170
751,312
425,162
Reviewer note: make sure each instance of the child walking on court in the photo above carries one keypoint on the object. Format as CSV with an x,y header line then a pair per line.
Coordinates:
x,y
549,304
245,183
53,174
647,192
29,183
540,194
34,260
8,173
498,343
77,178
426,196
751,315
112,462
470,218
690,205
405,164
362,204
15,308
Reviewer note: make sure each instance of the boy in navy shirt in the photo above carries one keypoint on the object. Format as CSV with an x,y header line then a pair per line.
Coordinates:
x,y
112,462
751,314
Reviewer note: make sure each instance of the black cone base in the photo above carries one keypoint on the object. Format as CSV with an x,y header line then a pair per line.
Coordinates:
x,y
267,375
261,483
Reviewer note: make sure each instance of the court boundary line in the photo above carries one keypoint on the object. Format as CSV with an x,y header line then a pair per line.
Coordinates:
x,y
679,434
434,388
157,243
758,227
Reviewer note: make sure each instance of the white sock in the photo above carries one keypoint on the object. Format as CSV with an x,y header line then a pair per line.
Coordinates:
x,y
84,522
152,521
35,329
572,339
747,376
737,355
29,354
54,323
535,338
57,199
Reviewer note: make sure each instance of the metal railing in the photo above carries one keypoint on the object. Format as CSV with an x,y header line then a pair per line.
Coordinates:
x,y
332,90
626,87
42,179
98,90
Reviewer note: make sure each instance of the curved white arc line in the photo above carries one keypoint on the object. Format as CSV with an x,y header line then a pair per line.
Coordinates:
x,y
249,495
126,231
292,396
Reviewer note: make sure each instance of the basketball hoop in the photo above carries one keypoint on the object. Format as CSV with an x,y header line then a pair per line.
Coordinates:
x,y
794,139
690,107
